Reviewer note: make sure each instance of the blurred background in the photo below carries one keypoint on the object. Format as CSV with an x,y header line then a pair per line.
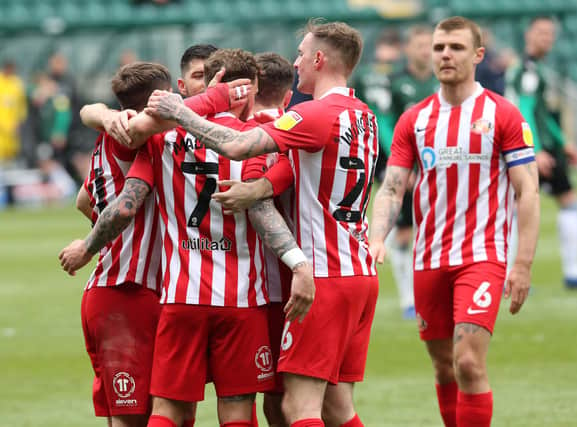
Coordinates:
x,y
56,55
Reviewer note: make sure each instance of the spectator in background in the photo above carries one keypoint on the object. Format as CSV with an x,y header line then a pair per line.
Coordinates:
x,y
374,86
76,142
491,72
12,111
528,88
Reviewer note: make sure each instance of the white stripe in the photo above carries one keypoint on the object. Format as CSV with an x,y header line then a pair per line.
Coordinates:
x,y
172,229
338,193
501,217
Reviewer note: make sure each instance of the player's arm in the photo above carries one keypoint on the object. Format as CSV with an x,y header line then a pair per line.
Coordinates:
x,y
271,227
111,222
228,142
386,208
525,181
83,203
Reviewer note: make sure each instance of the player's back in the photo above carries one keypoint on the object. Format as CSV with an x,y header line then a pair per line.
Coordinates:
x,y
134,255
333,184
210,258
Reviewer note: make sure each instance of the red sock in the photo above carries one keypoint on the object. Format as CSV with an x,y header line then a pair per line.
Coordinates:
x,y
188,423
474,410
160,421
309,422
447,397
237,424
254,417
353,422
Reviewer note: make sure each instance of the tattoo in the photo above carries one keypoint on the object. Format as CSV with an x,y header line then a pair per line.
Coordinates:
x,y
238,397
389,200
461,329
225,141
271,227
117,215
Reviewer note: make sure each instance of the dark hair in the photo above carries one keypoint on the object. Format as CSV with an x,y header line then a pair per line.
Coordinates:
x,y
196,51
275,78
239,64
133,83
340,37
461,23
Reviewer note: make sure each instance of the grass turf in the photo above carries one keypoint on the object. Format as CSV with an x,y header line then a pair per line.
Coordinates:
x,y
45,375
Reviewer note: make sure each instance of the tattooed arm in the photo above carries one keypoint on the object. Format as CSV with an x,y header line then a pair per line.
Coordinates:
x,y
386,208
271,227
230,143
111,222
526,184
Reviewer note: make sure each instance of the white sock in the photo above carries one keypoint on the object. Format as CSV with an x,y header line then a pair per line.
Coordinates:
x,y
402,266
567,222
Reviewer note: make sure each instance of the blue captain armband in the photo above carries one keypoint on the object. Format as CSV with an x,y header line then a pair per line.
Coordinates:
x,y
519,156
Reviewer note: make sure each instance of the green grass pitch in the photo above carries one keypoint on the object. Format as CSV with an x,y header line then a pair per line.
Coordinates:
x,y
45,375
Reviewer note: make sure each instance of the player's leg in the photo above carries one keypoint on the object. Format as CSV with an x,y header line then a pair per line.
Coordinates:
x,y
338,407
303,400
272,407
560,187
477,294
434,307
400,254
129,421
241,362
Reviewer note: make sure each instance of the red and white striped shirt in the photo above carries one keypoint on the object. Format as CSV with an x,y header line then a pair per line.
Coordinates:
x,y
333,148
209,258
462,200
278,275
135,255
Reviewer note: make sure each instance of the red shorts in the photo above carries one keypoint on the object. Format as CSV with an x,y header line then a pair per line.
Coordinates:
x,y
332,342
462,294
231,343
119,325
276,319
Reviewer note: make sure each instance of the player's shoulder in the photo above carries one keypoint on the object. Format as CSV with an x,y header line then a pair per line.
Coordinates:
x,y
502,104
413,111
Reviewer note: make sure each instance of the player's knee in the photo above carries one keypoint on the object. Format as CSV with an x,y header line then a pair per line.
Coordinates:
x,y
469,368
444,369
129,421
337,409
272,410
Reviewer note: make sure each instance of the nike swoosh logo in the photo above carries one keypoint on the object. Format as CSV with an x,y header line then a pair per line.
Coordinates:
x,y
421,129
473,311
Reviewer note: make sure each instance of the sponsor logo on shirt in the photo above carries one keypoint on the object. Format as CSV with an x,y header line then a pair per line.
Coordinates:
x,y
288,120
527,134
124,385
206,244
445,157
481,126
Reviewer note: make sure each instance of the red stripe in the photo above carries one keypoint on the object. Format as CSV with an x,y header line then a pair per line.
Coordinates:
x,y
118,181
231,257
451,184
493,207
474,177
355,147
431,181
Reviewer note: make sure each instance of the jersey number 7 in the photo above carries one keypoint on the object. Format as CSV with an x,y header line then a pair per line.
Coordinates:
x,y
209,187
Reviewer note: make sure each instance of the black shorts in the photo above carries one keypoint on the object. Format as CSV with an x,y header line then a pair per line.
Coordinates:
x,y
405,218
559,182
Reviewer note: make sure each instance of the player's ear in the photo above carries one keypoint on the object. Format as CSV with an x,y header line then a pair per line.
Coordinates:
x,y
181,87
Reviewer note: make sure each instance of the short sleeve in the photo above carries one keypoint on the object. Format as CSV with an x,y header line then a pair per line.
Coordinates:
x,y
143,168
403,146
515,135
306,127
254,168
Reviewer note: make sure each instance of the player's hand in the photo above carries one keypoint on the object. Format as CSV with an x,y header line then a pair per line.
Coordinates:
x,y
302,292
74,256
377,250
517,286
164,104
115,124
545,163
237,197
571,153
